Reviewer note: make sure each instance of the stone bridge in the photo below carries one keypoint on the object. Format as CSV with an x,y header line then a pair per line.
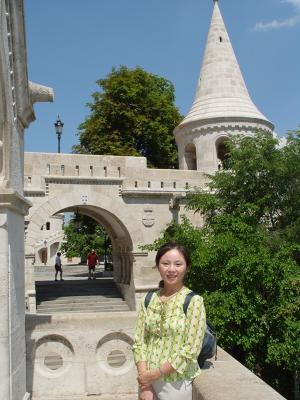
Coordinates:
x,y
132,202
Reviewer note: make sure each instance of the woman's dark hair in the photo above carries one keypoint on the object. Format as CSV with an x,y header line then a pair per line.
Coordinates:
x,y
171,246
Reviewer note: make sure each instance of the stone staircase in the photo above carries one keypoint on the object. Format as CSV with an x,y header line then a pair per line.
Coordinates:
x,y
79,296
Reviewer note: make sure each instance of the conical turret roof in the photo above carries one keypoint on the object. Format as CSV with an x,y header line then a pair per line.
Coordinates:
x,y
221,90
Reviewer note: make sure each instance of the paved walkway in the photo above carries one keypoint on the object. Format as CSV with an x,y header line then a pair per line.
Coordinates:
x,y
73,272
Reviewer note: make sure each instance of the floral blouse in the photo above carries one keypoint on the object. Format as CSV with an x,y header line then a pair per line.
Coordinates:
x,y
164,333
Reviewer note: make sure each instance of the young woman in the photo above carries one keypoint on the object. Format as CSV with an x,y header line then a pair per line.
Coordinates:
x,y
168,342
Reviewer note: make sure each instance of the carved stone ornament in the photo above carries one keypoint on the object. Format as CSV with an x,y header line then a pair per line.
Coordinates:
x,y
174,202
148,219
40,93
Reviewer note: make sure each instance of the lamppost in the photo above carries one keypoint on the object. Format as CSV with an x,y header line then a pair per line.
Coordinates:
x,y
58,129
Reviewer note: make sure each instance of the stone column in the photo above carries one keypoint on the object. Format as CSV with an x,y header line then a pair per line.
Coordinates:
x,y
16,113
12,321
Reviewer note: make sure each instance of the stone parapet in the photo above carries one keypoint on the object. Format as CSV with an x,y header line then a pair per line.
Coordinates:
x,y
227,379
81,356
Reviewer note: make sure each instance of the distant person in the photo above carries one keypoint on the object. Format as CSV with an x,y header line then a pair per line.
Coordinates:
x,y
58,267
92,261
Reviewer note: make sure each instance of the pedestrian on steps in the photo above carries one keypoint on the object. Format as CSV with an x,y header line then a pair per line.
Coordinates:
x,y
92,261
58,268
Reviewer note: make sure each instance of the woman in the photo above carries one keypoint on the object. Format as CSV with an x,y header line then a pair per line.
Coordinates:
x,y
168,342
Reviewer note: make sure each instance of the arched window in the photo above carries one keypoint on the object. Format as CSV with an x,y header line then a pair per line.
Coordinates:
x,y
47,226
222,153
190,156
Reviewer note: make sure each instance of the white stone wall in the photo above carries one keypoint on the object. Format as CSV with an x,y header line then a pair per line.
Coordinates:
x,y
73,355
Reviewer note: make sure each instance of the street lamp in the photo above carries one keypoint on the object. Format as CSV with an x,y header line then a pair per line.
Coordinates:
x,y
58,129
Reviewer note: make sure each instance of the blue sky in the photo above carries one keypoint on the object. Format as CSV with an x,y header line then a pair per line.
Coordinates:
x,y
73,43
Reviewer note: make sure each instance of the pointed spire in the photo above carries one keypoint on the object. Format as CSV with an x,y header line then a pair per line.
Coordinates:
x,y
221,90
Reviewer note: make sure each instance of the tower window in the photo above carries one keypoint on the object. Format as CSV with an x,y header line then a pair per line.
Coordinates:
x,y
190,156
221,39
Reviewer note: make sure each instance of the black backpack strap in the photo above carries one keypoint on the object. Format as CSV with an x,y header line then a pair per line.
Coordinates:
x,y
148,298
187,301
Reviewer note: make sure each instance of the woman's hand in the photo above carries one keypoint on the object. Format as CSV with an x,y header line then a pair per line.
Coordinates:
x,y
147,377
146,394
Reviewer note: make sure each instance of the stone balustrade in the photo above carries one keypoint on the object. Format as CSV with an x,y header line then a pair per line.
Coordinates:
x,y
227,379
77,356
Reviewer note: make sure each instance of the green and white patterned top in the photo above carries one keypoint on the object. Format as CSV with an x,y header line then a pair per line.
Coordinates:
x,y
164,333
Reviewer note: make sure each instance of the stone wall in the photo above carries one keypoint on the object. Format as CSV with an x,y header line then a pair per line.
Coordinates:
x,y
75,356
227,379
86,355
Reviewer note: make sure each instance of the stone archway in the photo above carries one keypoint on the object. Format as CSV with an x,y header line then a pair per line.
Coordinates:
x,y
222,152
111,216
190,156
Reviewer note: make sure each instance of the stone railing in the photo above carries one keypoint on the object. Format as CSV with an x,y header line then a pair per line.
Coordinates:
x,y
227,379
81,356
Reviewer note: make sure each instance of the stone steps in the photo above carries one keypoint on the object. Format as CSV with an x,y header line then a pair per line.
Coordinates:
x,y
82,308
83,296
80,299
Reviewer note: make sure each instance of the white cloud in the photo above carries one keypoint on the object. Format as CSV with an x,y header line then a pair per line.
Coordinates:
x,y
295,3
286,23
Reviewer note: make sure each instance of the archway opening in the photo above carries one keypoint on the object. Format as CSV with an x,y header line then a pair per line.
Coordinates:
x,y
190,156
223,154
75,232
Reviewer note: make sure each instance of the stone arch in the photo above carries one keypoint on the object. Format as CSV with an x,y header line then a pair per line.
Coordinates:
x,y
190,156
107,211
221,151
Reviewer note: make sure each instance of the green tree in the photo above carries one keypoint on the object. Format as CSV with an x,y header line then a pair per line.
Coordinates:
x,y
133,114
82,234
244,258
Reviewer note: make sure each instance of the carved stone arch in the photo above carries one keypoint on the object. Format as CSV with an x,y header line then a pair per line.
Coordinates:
x,y
116,220
222,151
190,156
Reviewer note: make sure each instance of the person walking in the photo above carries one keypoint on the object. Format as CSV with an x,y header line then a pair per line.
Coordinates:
x,y
92,261
168,341
58,267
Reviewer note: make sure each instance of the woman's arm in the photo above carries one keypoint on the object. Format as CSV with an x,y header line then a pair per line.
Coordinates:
x,y
194,335
139,347
147,377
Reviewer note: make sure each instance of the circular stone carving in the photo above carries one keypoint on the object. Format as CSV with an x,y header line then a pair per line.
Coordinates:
x,y
114,353
53,361
53,355
116,358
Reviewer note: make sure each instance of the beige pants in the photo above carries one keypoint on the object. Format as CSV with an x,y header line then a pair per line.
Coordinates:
x,y
179,390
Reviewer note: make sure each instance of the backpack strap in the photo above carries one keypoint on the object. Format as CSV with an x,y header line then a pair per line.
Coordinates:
x,y
148,298
187,301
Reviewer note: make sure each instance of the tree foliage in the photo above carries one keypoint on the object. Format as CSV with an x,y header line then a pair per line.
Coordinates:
x,y
82,234
245,259
133,114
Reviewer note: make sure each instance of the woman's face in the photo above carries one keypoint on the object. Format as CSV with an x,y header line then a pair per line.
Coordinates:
x,y
172,268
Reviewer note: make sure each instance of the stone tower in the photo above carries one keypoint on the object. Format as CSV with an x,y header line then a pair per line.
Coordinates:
x,y
222,105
